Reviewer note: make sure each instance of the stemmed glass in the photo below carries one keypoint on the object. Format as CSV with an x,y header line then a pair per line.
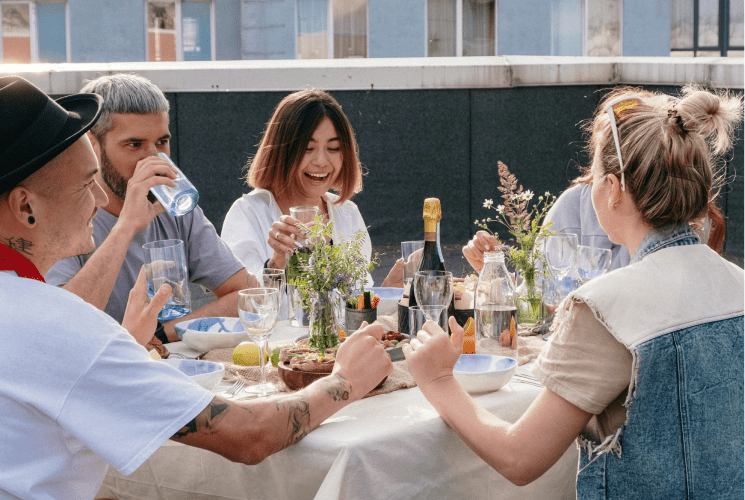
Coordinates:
x,y
258,309
561,253
433,288
592,262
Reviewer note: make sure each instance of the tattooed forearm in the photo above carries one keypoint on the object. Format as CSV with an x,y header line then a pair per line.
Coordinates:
x,y
340,391
204,420
298,421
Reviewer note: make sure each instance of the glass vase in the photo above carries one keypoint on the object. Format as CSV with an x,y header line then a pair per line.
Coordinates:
x,y
528,301
322,323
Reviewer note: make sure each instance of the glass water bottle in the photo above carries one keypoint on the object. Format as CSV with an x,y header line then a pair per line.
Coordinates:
x,y
495,309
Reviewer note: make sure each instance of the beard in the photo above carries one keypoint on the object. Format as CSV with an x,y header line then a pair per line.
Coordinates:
x,y
113,179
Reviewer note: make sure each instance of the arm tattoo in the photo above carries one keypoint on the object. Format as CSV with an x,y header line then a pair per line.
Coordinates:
x,y
298,420
204,419
339,392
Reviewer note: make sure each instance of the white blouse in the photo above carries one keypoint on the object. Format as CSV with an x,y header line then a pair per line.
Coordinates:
x,y
247,224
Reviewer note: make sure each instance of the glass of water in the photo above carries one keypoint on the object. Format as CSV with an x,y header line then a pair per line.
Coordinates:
x,y
165,262
258,309
180,199
592,262
561,253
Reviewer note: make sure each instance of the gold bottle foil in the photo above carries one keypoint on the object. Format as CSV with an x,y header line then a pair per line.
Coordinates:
x,y
432,215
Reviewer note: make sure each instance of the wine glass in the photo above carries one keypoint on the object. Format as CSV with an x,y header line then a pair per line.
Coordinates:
x,y
592,262
433,288
561,253
258,309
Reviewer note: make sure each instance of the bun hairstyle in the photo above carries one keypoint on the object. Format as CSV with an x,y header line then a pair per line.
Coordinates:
x,y
669,148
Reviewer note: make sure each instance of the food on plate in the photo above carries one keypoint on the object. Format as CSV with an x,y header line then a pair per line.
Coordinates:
x,y
247,354
393,339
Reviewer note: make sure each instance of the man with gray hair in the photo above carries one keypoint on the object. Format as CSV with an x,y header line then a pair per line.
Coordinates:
x,y
132,129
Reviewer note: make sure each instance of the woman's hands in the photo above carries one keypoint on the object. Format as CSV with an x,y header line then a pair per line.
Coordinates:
x,y
362,360
282,238
432,354
474,250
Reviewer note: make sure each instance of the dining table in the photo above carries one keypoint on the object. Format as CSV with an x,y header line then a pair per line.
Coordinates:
x,y
388,446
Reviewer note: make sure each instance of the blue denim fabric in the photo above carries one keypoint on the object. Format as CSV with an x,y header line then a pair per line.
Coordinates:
x,y
683,437
668,236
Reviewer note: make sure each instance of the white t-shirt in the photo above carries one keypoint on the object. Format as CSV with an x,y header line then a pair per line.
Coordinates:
x,y
77,392
247,224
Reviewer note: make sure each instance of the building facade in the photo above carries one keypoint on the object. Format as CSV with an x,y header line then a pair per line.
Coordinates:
x,y
60,31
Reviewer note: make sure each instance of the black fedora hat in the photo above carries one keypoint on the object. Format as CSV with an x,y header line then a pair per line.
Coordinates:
x,y
35,128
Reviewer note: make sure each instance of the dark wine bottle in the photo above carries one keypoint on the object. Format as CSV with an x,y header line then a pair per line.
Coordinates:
x,y
431,256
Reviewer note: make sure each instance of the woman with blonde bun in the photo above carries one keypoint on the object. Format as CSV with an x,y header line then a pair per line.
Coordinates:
x,y
645,369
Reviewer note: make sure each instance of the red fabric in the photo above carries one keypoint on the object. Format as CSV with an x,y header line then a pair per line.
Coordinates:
x,y
10,260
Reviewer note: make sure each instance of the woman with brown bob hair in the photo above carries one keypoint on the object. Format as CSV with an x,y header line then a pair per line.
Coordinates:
x,y
308,148
645,368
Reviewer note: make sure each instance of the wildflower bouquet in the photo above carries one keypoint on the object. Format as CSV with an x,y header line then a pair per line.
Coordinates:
x,y
524,223
323,276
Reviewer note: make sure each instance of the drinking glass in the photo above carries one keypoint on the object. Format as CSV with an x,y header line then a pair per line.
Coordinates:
x,y
180,199
418,315
410,252
561,253
275,278
433,288
165,262
258,309
305,215
592,262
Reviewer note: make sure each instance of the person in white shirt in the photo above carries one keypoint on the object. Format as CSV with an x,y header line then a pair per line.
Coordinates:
x,y
308,149
77,391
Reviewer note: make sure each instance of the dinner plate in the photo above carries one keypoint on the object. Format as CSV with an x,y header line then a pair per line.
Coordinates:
x,y
396,353
205,334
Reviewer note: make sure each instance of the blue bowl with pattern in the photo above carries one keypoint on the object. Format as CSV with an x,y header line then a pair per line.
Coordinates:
x,y
483,372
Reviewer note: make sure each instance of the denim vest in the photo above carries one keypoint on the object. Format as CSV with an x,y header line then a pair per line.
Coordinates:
x,y
678,307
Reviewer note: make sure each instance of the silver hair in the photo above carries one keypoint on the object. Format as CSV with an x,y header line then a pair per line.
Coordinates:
x,y
124,93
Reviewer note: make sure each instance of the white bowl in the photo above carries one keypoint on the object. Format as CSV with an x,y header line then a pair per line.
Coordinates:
x,y
205,334
389,298
205,373
483,372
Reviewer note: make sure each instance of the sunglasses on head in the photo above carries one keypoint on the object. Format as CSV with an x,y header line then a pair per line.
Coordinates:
x,y
614,110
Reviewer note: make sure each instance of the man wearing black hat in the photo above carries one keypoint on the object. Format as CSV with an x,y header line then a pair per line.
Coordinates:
x,y
76,390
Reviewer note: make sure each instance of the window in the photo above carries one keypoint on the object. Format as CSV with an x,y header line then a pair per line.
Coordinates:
x,y
179,30
461,28
33,32
706,28
603,28
347,37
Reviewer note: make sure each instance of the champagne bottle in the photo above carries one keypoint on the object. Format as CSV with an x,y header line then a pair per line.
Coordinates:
x,y
431,256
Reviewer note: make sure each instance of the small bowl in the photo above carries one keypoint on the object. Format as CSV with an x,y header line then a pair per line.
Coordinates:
x,y
483,372
389,297
205,334
205,373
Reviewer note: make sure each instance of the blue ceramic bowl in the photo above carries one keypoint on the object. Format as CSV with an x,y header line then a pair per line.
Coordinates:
x,y
205,373
483,372
205,334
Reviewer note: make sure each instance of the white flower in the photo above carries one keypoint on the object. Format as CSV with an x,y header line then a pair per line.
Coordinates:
x,y
527,195
488,203
500,209
546,194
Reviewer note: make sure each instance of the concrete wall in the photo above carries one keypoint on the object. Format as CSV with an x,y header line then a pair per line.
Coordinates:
x,y
425,127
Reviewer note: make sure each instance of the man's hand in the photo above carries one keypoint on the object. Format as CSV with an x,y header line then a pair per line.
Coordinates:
x,y
137,211
474,250
433,354
141,317
362,360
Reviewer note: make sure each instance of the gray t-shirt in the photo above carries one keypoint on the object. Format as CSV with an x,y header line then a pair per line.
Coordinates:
x,y
211,262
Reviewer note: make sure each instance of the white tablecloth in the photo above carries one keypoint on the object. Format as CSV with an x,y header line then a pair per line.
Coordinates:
x,y
389,446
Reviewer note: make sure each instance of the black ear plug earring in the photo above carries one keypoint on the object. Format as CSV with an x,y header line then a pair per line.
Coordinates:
x,y
31,219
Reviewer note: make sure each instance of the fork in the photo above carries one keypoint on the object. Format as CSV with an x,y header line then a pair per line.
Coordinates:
x,y
523,379
235,389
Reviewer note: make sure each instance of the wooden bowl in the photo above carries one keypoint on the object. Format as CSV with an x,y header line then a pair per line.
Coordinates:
x,y
297,380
